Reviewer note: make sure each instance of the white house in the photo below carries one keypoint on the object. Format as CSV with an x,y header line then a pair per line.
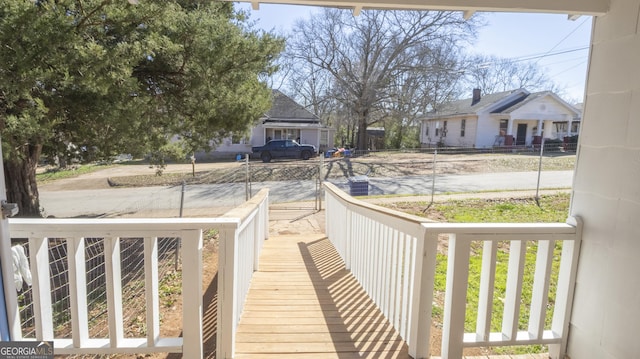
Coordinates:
x,y
507,118
285,120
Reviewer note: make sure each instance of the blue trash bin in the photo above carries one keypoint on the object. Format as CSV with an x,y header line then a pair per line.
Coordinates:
x,y
359,186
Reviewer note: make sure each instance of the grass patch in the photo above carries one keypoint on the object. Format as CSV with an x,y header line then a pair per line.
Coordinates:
x,y
71,172
553,209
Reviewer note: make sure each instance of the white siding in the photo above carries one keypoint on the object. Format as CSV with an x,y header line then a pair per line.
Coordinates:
x,y
310,137
546,108
258,136
487,130
453,138
607,193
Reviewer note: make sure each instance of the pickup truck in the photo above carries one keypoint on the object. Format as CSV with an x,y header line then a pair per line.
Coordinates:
x,y
283,149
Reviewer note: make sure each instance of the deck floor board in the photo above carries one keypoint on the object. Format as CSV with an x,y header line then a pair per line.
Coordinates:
x,y
303,303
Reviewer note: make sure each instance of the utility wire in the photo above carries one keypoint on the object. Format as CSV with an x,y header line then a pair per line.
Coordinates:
x,y
564,38
539,56
549,54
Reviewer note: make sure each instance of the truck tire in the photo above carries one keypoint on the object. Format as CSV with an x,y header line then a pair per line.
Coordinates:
x,y
265,157
305,155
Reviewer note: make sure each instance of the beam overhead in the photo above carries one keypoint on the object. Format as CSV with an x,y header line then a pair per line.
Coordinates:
x,y
577,7
468,14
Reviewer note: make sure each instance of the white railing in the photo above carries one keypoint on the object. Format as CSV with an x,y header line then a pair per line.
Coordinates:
x,y
380,248
246,226
238,256
393,256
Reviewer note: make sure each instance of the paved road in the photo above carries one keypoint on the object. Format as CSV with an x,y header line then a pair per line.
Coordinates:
x,y
130,200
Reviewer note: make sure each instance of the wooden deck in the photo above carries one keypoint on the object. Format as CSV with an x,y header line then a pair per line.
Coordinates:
x,y
304,304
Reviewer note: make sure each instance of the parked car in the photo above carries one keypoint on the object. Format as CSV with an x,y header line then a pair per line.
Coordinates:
x,y
284,149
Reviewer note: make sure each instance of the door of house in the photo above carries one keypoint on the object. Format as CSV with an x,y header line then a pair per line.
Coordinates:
x,y
521,136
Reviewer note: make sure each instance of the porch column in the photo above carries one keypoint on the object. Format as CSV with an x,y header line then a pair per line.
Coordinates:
x,y
539,128
9,314
548,129
510,126
569,120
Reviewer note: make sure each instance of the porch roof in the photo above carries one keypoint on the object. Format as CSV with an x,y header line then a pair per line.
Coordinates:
x,y
571,7
469,107
293,124
514,105
285,110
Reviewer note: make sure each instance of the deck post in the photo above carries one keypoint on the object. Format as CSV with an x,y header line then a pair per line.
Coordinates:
x,y
226,293
10,310
455,297
192,294
566,287
425,268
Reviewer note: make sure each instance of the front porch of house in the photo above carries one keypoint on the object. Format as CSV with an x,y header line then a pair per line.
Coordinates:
x,y
531,132
331,294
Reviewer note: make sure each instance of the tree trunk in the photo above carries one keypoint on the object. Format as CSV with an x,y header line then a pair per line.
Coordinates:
x,y
362,133
20,180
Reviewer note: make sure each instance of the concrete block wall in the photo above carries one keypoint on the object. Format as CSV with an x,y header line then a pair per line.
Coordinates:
x,y
606,311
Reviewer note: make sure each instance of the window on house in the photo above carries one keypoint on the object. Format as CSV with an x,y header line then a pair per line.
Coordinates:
x,y
426,132
504,125
463,125
561,126
442,132
575,127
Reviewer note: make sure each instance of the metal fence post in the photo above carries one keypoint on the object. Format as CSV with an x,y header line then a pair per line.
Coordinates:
x,y
182,197
177,253
247,189
539,172
433,177
319,183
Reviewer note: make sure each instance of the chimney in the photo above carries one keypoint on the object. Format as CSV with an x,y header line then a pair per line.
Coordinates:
x,y
476,97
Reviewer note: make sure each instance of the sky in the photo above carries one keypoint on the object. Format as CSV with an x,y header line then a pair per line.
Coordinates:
x,y
558,45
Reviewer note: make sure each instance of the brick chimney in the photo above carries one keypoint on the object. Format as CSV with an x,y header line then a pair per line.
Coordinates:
x,y
476,97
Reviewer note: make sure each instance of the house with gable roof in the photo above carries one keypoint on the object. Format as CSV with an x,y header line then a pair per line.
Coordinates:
x,y
286,119
510,118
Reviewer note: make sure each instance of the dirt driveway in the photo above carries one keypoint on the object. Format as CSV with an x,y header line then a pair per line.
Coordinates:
x,y
99,179
387,164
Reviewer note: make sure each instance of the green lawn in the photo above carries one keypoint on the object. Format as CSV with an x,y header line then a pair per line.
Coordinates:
x,y
73,171
552,209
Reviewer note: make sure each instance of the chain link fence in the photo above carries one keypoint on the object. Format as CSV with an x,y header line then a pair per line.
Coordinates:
x,y
133,280
293,184
297,183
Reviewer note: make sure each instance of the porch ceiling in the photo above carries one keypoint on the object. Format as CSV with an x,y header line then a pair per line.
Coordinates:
x,y
571,7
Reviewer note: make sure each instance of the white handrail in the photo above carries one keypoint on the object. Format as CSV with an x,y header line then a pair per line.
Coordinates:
x,y
238,255
387,253
517,235
393,256
246,225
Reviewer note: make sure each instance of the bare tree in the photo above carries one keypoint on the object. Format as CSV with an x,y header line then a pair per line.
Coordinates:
x,y
367,55
432,80
494,74
312,87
